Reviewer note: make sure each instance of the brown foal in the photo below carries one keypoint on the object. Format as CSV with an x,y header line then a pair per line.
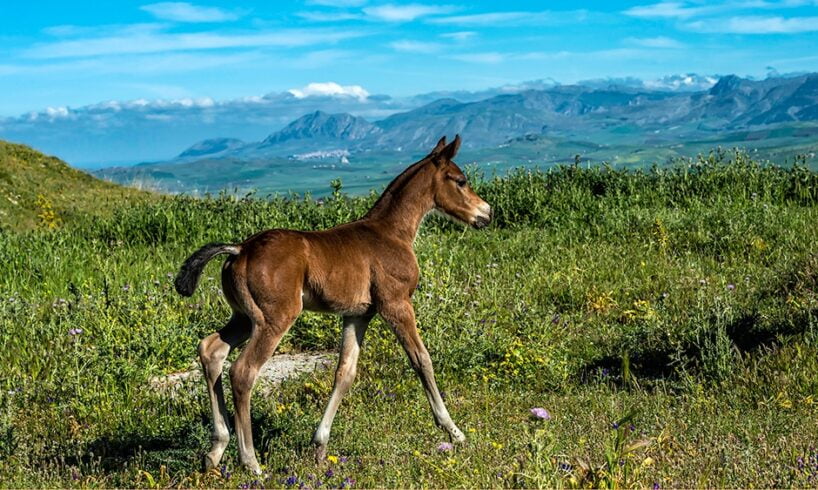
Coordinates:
x,y
355,270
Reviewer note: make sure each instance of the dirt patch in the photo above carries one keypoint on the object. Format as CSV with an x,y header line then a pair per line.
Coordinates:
x,y
278,368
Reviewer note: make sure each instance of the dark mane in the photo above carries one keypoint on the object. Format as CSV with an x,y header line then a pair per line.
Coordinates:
x,y
396,185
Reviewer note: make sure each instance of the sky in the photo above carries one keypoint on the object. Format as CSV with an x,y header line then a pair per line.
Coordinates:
x,y
56,54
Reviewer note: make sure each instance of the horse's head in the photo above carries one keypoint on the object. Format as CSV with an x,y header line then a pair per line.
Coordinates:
x,y
452,193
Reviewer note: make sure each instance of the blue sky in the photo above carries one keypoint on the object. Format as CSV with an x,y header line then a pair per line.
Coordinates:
x,y
58,53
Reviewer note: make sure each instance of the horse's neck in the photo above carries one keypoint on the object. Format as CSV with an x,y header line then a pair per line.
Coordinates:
x,y
402,213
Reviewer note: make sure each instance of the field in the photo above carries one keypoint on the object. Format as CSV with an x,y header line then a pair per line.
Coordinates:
x,y
666,320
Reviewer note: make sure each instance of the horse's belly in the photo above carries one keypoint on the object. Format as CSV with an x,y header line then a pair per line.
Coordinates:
x,y
344,303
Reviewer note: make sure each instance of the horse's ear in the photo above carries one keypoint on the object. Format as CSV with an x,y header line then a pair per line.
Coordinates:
x,y
439,146
451,149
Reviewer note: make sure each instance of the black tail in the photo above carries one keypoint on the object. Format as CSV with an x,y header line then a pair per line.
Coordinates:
x,y
188,277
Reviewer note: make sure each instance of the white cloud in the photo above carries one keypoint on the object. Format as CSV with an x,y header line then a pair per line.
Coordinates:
x,y
405,13
409,46
514,18
337,3
186,12
328,16
755,25
329,89
666,9
459,36
654,42
491,57
482,19
155,42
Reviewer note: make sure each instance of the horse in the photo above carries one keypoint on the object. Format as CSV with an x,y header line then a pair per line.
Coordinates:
x,y
355,270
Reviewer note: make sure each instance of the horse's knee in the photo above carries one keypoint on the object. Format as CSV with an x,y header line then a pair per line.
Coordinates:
x,y
211,353
241,378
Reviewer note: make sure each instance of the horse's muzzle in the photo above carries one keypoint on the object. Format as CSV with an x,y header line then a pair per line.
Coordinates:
x,y
482,221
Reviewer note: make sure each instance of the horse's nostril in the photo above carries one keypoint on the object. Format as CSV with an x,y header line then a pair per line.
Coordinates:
x,y
481,222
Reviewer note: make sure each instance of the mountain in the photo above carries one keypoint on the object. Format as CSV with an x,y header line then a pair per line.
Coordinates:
x,y
32,183
570,111
124,132
211,147
320,125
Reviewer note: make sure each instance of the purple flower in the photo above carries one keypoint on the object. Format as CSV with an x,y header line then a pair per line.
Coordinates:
x,y
348,482
541,413
731,287
291,480
656,485
615,425
445,446
343,459
75,331
330,473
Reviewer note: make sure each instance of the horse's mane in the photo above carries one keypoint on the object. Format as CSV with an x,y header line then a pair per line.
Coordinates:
x,y
396,185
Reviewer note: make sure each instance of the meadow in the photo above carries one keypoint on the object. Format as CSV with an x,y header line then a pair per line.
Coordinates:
x,y
663,322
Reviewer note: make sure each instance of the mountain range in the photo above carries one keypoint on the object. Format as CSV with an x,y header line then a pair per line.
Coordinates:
x,y
572,111
127,132
545,125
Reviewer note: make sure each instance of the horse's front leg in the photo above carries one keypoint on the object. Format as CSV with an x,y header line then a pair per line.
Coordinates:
x,y
351,340
401,316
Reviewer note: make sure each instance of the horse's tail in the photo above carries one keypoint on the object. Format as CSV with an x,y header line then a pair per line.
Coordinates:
x,y
188,277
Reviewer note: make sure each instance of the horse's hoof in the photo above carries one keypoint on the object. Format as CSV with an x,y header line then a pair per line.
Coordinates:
x,y
208,464
320,453
457,436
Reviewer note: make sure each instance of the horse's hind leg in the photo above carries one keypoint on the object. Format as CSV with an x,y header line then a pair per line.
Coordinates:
x,y
213,350
243,374
351,340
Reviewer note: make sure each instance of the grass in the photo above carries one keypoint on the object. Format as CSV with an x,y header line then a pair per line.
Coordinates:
x,y
33,186
665,318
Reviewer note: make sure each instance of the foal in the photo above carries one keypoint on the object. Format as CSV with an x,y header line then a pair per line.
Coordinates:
x,y
355,270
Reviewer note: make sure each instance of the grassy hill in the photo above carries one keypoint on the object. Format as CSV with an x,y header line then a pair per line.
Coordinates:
x,y
39,190
666,318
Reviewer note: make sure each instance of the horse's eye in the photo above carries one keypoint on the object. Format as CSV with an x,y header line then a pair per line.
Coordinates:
x,y
461,182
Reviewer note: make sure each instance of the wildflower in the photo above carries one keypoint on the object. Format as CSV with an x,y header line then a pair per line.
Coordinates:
x,y
75,331
632,427
332,459
555,319
291,480
731,287
225,474
615,425
445,446
656,485
126,287
540,413
348,482
702,281
565,467
343,459
329,473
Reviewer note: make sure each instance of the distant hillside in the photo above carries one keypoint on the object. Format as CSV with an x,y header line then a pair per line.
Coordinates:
x,y
32,183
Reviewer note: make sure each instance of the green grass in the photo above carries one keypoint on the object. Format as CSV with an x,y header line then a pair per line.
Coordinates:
x,y
665,318
33,185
